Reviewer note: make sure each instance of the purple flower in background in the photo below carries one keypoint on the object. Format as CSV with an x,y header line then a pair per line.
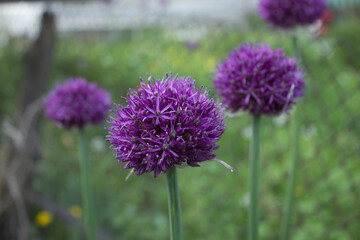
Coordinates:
x,y
256,79
166,123
192,44
77,103
164,3
289,13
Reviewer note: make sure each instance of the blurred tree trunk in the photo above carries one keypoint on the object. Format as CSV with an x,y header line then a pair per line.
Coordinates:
x,y
22,150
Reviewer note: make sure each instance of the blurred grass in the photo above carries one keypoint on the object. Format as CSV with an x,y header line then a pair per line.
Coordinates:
x,y
214,201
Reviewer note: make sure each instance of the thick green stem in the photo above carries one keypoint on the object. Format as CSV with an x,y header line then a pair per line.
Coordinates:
x,y
254,179
174,205
86,187
295,144
290,199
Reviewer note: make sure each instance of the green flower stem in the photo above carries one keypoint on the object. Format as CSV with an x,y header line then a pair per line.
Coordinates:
x,y
254,179
295,143
290,199
295,44
86,188
174,205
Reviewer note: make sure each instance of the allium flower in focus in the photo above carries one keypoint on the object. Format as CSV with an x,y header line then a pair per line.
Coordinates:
x,y
76,103
166,123
290,13
256,79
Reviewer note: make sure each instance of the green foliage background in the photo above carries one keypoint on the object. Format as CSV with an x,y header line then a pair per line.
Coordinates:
x,y
214,200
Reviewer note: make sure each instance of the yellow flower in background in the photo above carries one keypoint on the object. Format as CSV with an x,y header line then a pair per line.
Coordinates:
x,y
67,140
75,211
44,218
210,64
299,190
153,66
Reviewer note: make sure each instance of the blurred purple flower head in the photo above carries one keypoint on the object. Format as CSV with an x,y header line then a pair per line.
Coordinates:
x,y
192,44
166,123
256,79
289,13
144,4
77,103
164,3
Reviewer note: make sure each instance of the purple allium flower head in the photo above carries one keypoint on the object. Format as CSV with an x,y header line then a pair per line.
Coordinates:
x,y
256,79
77,103
166,123
289,13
